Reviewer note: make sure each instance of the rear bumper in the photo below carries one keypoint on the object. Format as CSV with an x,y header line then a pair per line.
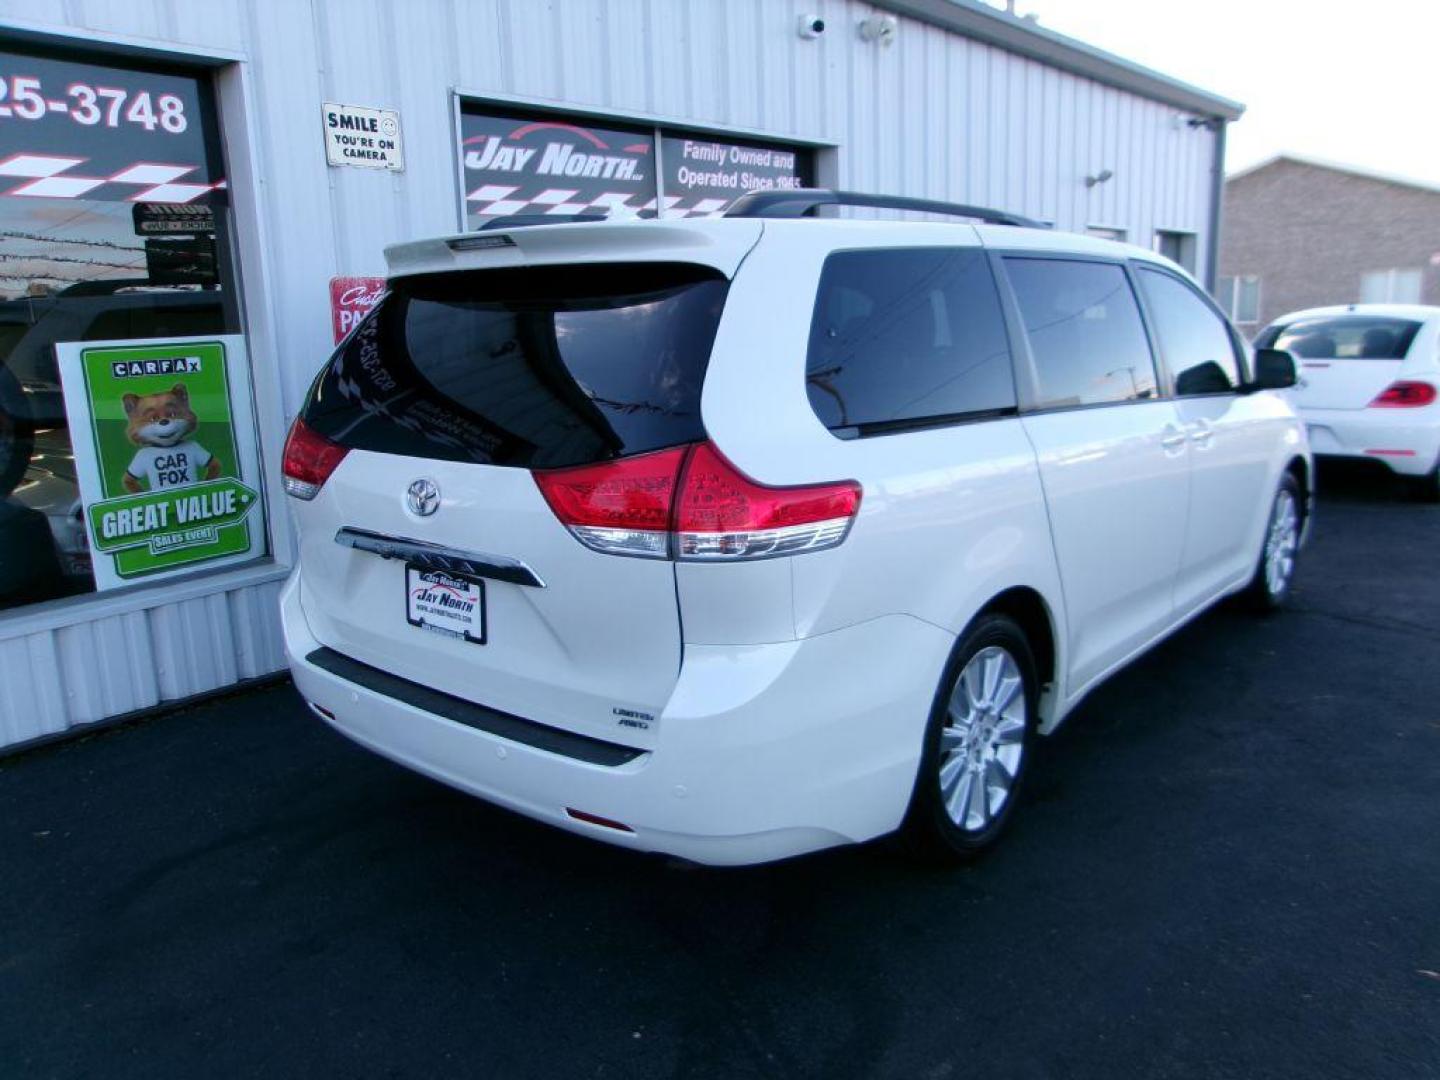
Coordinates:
x,y
1406,440
763,751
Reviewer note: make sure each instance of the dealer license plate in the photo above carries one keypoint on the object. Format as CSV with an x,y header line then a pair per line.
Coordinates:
x,y
446,604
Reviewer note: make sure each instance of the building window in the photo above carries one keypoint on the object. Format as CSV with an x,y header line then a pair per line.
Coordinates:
x,y
1240,298
117,301
546,165
1397,286
1106,232
1178,247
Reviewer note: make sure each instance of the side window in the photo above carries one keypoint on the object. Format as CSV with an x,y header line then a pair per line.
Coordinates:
x,y
905,337
1085,332
1195,341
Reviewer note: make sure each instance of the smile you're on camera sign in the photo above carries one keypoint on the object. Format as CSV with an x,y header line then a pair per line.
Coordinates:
x,y
364,138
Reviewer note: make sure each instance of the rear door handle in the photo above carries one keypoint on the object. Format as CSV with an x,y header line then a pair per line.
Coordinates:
x,y
1201,433
1171,438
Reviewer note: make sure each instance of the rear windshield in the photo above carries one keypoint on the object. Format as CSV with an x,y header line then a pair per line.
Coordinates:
x,y
1346,337
534,367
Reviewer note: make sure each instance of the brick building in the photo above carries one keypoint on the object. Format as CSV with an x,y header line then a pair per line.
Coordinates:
x,y
1299,233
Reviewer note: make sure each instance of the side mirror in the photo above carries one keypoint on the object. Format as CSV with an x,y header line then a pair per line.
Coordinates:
x,y
1274,370
1206,378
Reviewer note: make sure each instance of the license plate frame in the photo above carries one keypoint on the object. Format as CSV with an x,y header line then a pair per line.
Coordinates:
x,y
427,607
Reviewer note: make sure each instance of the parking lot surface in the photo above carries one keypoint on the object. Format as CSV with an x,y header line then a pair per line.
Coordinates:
x,y
1229,865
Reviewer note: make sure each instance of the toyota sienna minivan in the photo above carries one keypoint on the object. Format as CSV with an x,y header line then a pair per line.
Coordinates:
x,y
740,538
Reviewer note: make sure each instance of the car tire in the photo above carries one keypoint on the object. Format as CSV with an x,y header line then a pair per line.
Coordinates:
x,y
981,731
1269,588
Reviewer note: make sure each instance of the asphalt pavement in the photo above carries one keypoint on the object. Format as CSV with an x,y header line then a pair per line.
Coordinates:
x,y
1229,866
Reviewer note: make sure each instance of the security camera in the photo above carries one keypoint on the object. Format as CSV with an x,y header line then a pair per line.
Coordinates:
x,y
811,26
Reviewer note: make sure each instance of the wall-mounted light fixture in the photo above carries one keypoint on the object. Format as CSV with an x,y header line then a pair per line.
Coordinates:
x,y
881,28
1099,178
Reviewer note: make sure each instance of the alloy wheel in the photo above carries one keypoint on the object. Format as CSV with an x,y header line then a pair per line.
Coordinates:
x,y
1281,543
983,739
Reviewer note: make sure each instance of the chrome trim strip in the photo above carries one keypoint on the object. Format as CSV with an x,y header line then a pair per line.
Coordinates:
x,y
438,557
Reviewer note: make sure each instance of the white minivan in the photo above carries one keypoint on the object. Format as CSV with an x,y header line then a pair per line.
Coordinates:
x,y
740,538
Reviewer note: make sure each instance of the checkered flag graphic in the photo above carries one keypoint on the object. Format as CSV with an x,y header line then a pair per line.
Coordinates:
x,y
505,200
49,177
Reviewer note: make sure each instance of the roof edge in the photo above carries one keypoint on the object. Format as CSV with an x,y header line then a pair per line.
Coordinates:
x,y
994,27
1335,166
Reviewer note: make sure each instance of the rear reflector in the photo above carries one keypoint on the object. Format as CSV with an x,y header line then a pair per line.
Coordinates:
x,y
596,819
691,503
309,460
1405,394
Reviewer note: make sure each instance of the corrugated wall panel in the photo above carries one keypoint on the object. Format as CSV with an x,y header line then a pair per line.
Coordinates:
x,y
260,646
107,668
54,680
46,708
625,31
31,693
300,219
1001,130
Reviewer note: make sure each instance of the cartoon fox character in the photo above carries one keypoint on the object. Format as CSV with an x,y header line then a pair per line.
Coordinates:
x,y
161,426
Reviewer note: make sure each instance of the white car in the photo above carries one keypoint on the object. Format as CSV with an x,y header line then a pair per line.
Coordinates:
x,y
1368,384
740,538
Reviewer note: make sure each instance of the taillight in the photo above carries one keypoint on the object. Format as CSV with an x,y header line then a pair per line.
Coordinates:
x,y
1405,394
723,514
309,460
621,507
691,503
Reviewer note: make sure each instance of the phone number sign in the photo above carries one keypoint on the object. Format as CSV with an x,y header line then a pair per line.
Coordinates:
x,y
73,130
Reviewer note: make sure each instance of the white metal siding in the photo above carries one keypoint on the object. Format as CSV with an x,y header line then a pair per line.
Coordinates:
x,y
934,115
55,679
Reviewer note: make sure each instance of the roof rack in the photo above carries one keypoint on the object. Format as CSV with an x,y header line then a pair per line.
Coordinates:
x,y
797,202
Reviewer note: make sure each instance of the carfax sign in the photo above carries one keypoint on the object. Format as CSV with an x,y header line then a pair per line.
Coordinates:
x,y
165,454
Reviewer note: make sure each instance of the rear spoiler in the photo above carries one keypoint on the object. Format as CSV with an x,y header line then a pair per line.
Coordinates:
x,y
715,243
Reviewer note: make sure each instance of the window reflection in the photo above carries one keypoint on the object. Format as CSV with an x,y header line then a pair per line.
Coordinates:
x,y
80,270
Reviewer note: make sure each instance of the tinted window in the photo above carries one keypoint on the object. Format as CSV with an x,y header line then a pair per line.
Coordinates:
x,y
1195,341
905,337
1349,337
1085,332
536,367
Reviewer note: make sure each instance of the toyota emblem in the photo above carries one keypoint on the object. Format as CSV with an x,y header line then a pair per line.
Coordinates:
x,y
422,497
